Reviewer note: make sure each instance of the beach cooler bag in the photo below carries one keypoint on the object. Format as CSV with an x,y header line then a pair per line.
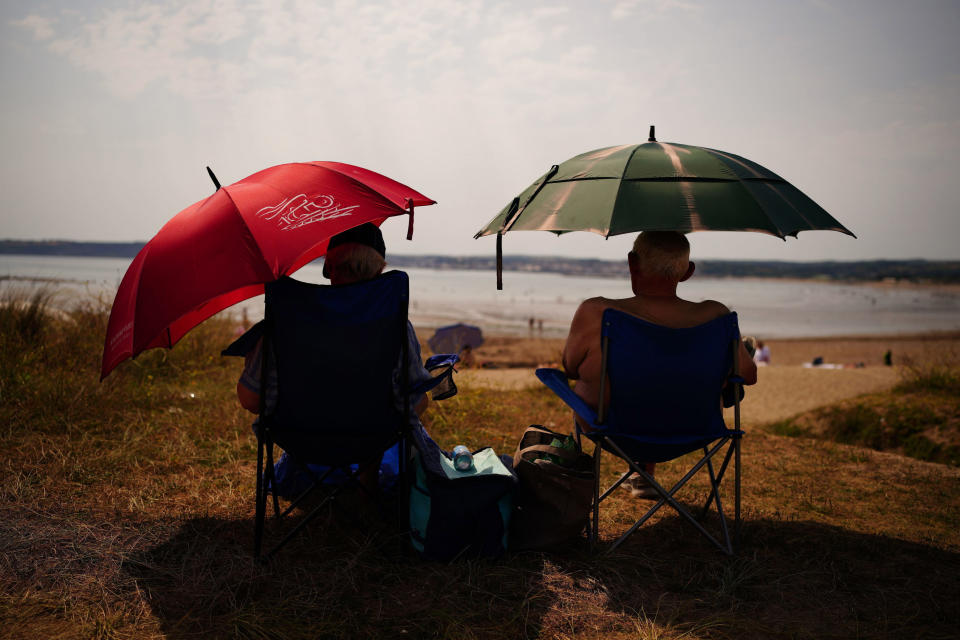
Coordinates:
x,y
455,513
555,490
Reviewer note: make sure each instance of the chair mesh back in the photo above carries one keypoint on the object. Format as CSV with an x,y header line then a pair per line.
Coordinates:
x,y
664,382
337,349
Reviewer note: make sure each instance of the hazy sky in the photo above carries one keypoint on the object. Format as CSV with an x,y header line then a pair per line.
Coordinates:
x,y
111,110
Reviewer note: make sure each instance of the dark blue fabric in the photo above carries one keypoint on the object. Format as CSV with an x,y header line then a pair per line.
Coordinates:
x,y
665,385
441,360
444,361
336,349
670,379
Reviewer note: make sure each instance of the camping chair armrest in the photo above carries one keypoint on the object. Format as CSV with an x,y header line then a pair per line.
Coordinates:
x,y
558,382
444,363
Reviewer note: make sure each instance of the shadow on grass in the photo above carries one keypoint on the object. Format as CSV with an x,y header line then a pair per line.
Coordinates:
x,y
338,579
789,579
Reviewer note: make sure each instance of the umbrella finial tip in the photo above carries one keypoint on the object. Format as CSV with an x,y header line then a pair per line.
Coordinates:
x,y
216,182
653,137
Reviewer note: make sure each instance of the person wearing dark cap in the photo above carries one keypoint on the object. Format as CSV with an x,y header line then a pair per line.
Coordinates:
x,y
355,255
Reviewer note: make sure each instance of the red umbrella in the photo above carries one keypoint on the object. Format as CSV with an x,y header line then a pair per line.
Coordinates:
x,y
222,250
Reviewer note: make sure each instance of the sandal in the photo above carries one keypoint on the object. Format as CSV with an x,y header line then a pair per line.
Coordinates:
x,y
640,488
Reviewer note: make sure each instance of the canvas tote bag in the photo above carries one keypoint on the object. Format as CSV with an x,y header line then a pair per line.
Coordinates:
x,y
554,492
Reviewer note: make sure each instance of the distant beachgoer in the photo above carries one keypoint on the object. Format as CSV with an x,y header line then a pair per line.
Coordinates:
x,y
530,324
660,260
540,326
467,359
762,356
244,323
888,358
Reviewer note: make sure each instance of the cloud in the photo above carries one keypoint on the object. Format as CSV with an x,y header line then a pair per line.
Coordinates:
x,y
626,8
131,48
41,27
209,49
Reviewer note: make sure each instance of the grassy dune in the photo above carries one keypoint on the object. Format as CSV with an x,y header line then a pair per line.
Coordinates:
x,y
126,511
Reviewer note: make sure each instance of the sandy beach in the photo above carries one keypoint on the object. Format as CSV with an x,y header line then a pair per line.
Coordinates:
x,y
784,389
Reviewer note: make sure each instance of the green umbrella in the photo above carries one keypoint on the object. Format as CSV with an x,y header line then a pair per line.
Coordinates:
x,y
659,186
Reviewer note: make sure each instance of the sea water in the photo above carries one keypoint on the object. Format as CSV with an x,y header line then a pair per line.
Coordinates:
x,y
767,308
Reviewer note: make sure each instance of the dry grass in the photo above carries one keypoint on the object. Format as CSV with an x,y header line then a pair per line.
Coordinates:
x,y
919,417
126,511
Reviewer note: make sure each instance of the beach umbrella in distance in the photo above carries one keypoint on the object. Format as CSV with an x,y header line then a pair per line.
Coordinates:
x,y
222,249
659,186
454,337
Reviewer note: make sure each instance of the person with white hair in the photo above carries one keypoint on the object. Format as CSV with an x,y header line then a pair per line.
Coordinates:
x,y
659,261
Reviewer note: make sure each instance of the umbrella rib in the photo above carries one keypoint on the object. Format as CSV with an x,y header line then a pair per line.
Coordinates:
x,y
356,180
260,252
704,179
672,179
508,224
616,199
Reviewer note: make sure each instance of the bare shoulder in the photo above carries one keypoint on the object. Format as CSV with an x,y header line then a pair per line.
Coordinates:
x,y
593,307
714,308
597,302
708,310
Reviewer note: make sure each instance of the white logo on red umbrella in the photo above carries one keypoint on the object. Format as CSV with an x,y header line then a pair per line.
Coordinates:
x,y
299,211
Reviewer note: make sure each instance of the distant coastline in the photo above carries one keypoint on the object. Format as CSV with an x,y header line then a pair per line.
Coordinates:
x,y
888,271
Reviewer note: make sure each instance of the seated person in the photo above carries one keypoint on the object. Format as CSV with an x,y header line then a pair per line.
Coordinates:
x,y
467,359
660,260
356,255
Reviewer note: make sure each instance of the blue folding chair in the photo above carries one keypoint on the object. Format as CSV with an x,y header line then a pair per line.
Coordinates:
x,y
665,389
337,349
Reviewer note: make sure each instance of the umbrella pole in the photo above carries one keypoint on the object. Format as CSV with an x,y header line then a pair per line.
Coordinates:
x,y
512,216
507,221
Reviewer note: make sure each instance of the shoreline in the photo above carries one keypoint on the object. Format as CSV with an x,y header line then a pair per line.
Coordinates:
x,y
946,287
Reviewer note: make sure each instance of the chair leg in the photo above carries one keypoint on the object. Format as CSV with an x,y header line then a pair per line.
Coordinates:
x,y
300,525
314,513
261,504
713,487
715,493
594,525
715,482
317,482
736,474
616,484
723,524
271,477
403,487
667,496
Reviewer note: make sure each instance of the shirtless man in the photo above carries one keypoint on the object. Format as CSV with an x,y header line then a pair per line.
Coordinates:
x,y
660,260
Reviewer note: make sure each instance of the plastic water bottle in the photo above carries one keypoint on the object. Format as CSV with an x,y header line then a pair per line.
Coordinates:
x,y
462,458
